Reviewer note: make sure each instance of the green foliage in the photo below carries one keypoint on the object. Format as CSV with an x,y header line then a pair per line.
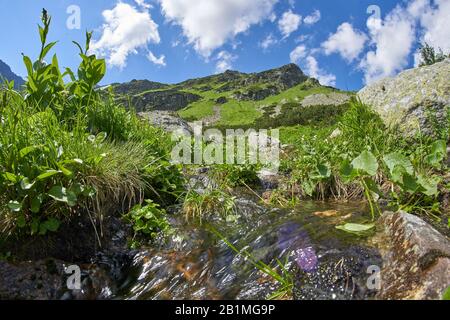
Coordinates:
x,y
294,113
230,176
356,228
446,295
66,148
197,205
429,55
148,220
365,158
363,168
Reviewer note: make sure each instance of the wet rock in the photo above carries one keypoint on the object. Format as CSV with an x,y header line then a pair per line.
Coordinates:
x,y
416,258
339,275
268,179
47,280
416,97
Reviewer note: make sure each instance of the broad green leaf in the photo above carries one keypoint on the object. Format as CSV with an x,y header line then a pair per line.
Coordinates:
x,y
438,153
25,151
77,188
47,174
52,224
308,187
11,177
396,159
439,146
36,203
14,206
348,173
25,184
366,162
28,65
21,221
61,194
410,183
64,170
324,171
355,227
429,185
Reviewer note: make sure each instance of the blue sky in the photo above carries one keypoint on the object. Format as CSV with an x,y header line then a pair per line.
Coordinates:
x,y
344,43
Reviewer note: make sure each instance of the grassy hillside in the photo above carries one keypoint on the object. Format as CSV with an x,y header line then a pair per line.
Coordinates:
x,y
231,99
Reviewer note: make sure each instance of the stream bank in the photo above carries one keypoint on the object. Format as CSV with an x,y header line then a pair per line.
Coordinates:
x,y
193,263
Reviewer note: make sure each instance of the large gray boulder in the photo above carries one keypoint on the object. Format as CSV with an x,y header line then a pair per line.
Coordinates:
x,y
168,121
415,98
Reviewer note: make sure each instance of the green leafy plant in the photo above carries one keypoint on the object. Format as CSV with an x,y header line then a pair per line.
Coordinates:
x,y
429,55
198,205
363,168
148,220
67,148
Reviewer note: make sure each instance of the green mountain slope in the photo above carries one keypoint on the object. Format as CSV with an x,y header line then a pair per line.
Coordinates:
x,y
233,99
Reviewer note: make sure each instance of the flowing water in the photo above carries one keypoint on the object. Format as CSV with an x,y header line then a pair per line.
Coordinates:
x,y
194,263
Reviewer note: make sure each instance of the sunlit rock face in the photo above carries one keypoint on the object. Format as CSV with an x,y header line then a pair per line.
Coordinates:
x,y
416,258
416,98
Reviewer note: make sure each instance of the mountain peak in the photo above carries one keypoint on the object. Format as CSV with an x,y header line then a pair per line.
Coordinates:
x,y
8,74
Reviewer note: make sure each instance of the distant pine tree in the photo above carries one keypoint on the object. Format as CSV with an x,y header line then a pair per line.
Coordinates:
x,y
429,55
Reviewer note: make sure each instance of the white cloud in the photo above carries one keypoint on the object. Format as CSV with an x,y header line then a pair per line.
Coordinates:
x,y
312,18
268,42
435,23
392,39
161,61
143,4
224,61
348,42
210,24
298,53
289,22
313,70
126,29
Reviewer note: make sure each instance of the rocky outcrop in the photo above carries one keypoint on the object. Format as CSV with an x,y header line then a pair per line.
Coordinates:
x,y
415,98
416,258
256,93
137,86
284,77
167,121
165,100
329,99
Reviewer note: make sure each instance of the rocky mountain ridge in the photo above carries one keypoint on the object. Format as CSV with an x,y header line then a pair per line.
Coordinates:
x,y
7,74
